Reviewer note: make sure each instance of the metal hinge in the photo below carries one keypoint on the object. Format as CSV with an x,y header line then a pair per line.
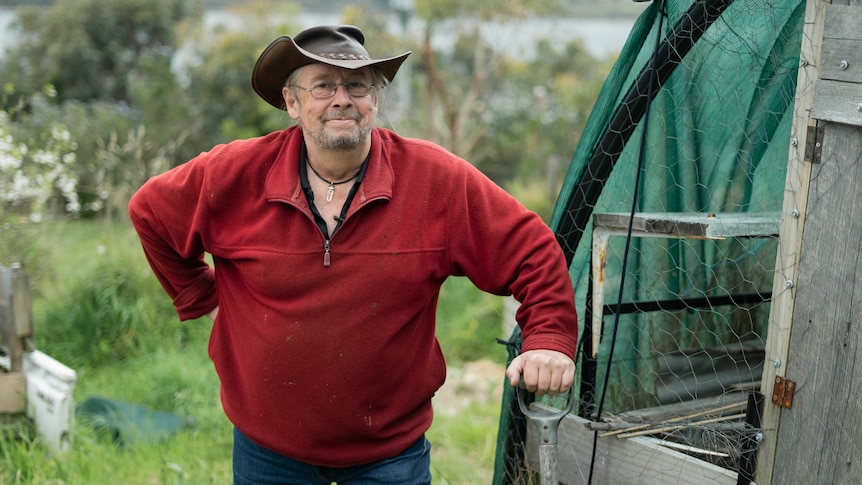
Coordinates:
x,y
782,392
814,143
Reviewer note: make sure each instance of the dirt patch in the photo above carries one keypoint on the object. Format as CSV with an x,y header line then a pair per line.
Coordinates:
x,y
479,382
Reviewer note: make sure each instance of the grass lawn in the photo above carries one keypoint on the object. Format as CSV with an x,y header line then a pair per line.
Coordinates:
x,y
98,309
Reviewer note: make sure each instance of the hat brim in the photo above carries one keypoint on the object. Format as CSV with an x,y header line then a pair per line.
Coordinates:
x,y
283,56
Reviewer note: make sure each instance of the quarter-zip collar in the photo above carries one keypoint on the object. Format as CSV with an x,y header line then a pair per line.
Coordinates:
x,y
309,195
283,181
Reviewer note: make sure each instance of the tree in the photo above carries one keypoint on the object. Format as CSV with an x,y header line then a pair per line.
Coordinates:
x,y
107,65
518,120
91,49
457,95
219,75
141,86
37,162
536,121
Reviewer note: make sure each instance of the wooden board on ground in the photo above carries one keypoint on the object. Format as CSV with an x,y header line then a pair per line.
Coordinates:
x,y
640,460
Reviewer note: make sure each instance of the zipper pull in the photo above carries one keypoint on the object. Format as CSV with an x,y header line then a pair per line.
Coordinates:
x,y
326,253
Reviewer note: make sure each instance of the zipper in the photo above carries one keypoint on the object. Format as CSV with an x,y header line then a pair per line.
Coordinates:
x,y
314,219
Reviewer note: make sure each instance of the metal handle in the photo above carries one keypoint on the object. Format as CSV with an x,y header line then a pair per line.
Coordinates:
x,y
546,424
546,421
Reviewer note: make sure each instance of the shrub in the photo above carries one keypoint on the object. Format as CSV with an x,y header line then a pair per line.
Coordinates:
x,y
111,313
23,243
469,322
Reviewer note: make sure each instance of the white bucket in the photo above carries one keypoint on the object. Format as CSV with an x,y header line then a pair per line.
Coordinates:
x,y
49,399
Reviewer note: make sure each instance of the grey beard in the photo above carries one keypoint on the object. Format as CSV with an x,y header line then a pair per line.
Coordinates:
x,y
341,143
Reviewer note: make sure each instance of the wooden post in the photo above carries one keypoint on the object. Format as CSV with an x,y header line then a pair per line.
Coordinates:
x,y
793,216
17,309
814,440
16,333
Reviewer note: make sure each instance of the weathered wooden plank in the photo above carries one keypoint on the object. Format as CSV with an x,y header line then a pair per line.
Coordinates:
x,y
16,320
696,225
793,217
838,94
641,460
842,21
13,392
22,306
841,60
818,437
838,101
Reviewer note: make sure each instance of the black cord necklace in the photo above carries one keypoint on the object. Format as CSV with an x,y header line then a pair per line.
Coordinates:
x,y
331,189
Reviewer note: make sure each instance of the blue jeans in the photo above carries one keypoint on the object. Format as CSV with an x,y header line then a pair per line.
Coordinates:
x,y
256,465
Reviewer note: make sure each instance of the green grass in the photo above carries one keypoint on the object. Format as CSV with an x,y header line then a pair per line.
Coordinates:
x,y
463,446
98,309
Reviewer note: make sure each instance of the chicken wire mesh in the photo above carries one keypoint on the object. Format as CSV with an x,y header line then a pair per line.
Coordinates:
x,y
694,119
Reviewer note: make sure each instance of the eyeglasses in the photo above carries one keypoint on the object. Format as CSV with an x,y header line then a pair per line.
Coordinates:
x,y
356,89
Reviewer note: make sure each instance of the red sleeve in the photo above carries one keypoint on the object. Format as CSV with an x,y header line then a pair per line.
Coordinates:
x,y
169,213
506,249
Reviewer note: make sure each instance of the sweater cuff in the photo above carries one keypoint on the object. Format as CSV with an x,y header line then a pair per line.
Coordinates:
x,y
547,341
197,299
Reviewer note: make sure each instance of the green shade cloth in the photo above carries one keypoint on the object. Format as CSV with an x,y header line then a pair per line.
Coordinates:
x,y
129,423
717,140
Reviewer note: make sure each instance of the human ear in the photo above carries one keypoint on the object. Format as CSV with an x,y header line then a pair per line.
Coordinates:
x,y
291,104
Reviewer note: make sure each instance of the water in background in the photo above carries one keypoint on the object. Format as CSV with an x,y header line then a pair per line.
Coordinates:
x,y
7,36
601,37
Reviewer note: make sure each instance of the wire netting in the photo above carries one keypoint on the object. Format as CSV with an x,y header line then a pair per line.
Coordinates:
x,y
698,109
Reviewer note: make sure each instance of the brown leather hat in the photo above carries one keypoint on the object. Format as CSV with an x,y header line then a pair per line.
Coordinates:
x,y
338,45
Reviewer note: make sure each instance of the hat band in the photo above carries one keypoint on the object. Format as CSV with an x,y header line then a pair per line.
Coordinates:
x,y
344,57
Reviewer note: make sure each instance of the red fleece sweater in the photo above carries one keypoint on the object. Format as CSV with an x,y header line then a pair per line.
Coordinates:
x,y
336,365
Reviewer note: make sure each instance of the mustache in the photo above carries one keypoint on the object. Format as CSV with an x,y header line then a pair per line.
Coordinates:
x,y
349,113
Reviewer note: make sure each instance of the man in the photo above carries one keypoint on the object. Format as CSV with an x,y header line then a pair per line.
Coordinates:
x,y
330,241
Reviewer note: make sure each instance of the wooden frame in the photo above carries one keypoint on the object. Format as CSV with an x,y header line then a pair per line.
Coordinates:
x,y
638,460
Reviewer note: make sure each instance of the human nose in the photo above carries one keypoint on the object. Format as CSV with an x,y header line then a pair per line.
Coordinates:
x,y
341,96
